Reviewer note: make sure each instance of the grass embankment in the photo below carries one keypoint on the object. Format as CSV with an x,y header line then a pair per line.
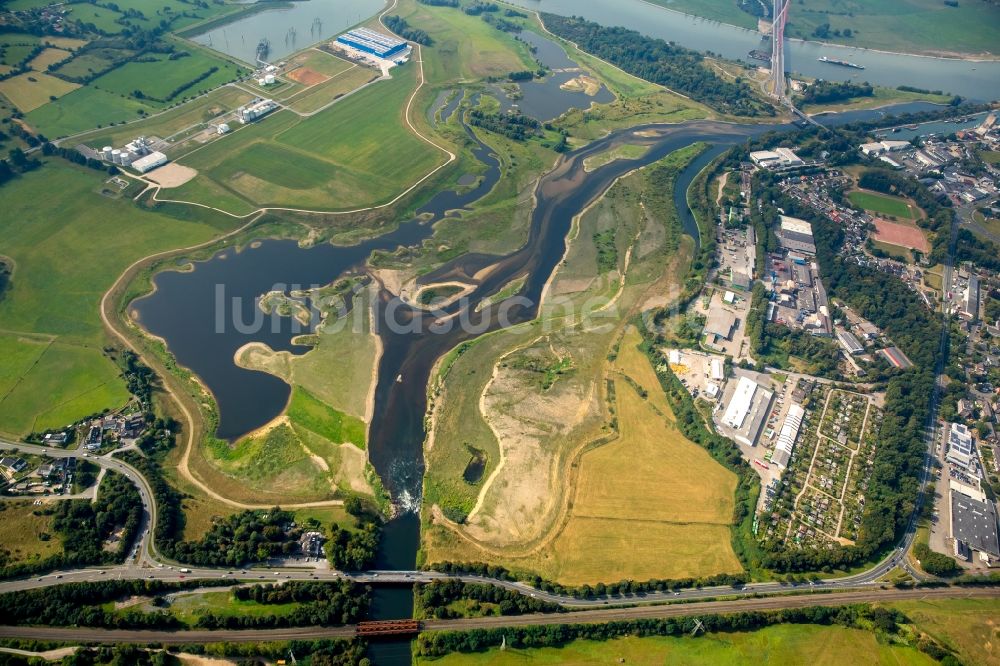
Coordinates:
x,y
782,644
908,26
881,96
557,422
69,244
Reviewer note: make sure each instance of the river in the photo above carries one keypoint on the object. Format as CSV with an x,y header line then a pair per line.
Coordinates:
x,y
972,80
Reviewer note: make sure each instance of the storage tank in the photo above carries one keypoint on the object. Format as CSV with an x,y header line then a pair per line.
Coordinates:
x,y
262,82
127,158
116,156
106,151
269,79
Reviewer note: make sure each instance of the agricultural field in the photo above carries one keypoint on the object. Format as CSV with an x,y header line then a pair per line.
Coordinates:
x,y
780,644
48,57
907,26
883,204
83,109
26,536
31,90
333,160
333,88
523,439
181,121
159,80
57,285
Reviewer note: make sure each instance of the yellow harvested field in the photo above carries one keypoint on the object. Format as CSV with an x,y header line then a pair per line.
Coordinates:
x,y
650,493
31,90
48,57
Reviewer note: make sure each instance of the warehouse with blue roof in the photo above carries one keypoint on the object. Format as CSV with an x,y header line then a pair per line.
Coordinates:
x,y
375,43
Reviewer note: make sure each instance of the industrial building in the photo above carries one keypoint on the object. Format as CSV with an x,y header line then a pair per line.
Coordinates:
x,y
149,162
974,526
960,446
779,158
970,299
720,324
880,147
787,436
375,43
849,342
257,108
796,235
747,411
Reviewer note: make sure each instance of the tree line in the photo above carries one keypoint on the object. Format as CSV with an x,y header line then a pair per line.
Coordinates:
x,y
401,27
885,622
664,63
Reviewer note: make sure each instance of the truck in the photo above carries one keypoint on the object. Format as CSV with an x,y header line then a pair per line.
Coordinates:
x,y
185,571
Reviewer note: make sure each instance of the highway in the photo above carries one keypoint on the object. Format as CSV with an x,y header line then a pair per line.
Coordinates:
x,y
149,565
144,637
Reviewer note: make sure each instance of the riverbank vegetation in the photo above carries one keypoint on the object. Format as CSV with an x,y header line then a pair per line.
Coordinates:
x,y
675,67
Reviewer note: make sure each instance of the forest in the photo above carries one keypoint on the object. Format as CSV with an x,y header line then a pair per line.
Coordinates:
x,y
511,125
825,92
667,64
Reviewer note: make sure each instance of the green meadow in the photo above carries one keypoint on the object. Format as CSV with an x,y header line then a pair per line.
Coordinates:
x,y
359,152
69,244
883,204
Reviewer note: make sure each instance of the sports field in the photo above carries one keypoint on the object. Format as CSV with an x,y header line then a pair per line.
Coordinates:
x,y
902,235
31,90
884,204
778,645
62,270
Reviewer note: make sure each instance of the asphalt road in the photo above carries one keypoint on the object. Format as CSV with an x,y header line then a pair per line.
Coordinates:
x,y
72,634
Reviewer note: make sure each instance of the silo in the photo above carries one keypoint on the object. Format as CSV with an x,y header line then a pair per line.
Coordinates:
x,y
269,79
106,152
116,156
127,158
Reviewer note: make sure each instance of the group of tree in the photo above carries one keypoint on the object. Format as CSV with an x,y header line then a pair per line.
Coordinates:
x,y
353,550
320,604
435,598
588,591
401,27
823,31
885,622
240,539
440,3
825,92
478,7
936,564
680,69
515,126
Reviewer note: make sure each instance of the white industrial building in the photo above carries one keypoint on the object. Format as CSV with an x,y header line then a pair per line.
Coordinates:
x,y
717,370
960,446
796,235
786,437
775,159
149,162
880,147
258,108
850,343
747,411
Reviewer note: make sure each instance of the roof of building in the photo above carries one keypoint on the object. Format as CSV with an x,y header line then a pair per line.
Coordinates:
x,y
974,523
739,404
720,323
796,225
155,158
